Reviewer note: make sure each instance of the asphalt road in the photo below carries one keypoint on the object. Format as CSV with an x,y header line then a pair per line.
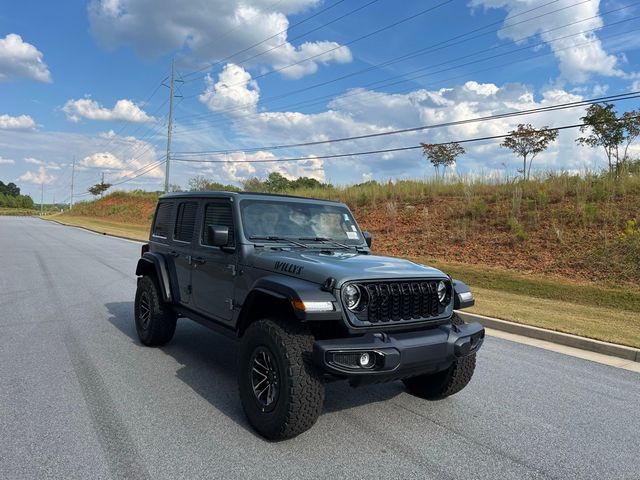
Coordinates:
x,y
81,398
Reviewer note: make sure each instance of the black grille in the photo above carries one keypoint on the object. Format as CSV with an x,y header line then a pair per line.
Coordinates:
x,y
398,301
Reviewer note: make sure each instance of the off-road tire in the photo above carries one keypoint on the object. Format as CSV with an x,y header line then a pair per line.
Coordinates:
x,y
442,384
160,323
301,389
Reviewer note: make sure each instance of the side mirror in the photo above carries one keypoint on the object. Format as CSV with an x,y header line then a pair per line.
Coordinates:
x,y
367,238
218,235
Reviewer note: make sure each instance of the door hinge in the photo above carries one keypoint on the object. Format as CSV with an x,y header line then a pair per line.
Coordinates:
x,y
230,302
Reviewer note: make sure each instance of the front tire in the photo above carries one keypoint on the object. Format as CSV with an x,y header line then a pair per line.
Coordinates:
x,y
435,386
155,320
281,391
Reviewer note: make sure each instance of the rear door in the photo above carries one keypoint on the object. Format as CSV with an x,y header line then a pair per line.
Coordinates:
x,y
182,247
214,273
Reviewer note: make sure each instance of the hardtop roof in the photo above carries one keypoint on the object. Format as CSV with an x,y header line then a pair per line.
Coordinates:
x,y
240,195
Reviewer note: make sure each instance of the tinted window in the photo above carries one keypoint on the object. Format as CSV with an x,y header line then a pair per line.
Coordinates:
x,y
298,220
163,217
185,221
218,213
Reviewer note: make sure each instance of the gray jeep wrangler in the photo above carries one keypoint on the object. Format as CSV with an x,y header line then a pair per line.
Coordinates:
x,y
294,282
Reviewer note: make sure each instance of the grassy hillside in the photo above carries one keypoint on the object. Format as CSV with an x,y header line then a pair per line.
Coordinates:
x,y
566,226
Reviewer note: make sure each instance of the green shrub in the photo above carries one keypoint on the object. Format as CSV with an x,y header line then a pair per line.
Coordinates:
x,y
519,232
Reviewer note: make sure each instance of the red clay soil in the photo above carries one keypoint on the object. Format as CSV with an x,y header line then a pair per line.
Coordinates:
x,y
558,240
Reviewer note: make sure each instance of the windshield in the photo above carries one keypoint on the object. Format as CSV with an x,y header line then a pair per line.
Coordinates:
x,y
297,220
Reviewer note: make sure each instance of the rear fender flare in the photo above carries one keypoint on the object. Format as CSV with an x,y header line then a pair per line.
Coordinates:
x,y
154,264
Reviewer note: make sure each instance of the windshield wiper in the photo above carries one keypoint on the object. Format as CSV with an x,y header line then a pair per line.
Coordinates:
x,y
274,238
324,240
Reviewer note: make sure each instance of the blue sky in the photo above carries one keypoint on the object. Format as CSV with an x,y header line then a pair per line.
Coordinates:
x,y
84,79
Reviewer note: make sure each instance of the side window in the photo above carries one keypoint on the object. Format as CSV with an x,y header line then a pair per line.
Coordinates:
x,y
163,217
185,221
218,213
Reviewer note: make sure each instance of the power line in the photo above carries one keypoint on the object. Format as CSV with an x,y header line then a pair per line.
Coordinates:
x,y
493,67
382,83
562,106
351,42
413,53
386,150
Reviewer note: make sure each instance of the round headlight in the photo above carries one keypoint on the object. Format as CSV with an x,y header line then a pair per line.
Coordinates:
x,y
442,291
352,296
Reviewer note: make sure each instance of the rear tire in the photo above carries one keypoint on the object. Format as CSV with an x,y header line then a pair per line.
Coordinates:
x,y
155,320
281,391
434,386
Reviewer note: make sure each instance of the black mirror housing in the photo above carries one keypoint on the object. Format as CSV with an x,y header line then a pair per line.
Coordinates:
x,y
218,235
367,238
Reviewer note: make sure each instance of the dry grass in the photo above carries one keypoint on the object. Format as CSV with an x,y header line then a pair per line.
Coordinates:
x,y
607,324
119,229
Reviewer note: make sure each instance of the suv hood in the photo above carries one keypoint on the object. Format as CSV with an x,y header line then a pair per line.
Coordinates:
x,y
316,266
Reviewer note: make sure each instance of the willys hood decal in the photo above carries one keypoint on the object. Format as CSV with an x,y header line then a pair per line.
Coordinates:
x,y
316,266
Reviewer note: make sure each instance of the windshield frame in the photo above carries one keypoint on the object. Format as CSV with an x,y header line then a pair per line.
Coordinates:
x,y
301,203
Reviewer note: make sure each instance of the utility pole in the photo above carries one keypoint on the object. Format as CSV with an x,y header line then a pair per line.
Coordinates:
x,y
170,125
42,199
73,172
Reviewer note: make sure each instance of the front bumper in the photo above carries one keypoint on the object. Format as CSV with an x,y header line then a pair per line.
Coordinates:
x,y
397,355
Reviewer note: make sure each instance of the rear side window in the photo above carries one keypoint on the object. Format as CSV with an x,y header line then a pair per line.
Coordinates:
x,y
218,213
185,221
163,217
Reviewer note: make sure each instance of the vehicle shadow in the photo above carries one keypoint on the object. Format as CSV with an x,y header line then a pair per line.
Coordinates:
x,y
209,368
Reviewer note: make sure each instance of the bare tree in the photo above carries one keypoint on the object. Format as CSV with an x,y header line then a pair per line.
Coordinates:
x,y
527,142
442,154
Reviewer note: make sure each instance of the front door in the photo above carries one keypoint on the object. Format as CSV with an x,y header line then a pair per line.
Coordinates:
x,y
214,269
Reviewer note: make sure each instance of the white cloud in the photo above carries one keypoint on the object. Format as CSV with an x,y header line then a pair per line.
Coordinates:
x,y
208,34
19,59
109,162
577,58
87,108
234,92
41,177
33,161
21,122
6,161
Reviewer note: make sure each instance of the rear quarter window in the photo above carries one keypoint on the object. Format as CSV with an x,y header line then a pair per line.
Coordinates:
x,y
185,221
162,220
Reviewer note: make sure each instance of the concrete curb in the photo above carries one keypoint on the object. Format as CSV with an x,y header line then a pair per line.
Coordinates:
x,y
583,343
98,232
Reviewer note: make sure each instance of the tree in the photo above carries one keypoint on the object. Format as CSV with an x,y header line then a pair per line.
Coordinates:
x,y
277,182
601,122
99,188
442,154
527,142
631,123
201,184
9,189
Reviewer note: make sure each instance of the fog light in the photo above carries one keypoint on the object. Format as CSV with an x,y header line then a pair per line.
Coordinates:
x,y
364,359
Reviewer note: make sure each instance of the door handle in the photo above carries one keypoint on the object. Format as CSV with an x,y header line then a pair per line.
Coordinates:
x,y
173,253
197,260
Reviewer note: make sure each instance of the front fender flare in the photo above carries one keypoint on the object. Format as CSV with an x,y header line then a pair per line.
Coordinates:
x,y
291,289
462,296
